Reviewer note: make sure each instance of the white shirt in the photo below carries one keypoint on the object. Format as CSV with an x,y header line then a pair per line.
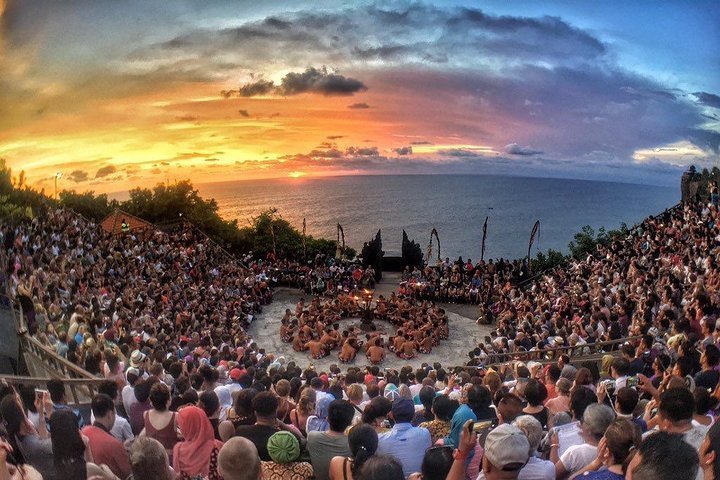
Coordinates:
x,y
120,429
578,457
537,469
128,397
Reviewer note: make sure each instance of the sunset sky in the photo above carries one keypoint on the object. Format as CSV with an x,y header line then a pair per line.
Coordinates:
x,y
121,93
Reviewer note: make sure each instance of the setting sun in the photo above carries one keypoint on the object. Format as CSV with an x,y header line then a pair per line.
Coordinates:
x,y
296,174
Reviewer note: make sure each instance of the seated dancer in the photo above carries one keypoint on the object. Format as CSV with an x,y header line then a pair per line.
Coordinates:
x,y
317,349
298,342
397,341
349,350
407,350
425,345
286,330
375,353
327,340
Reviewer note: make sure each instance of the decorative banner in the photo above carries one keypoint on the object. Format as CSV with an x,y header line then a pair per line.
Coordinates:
x,y
429,250
272,232
340,236
534,232
482,248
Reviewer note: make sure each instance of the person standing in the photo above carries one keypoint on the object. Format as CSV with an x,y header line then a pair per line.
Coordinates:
x,y
105,448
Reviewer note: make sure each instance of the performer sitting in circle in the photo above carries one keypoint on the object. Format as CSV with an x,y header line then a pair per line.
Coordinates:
x,y
408,348
349,350
376,352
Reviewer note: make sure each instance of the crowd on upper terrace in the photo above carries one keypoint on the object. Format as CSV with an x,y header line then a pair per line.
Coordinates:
x,y
660,280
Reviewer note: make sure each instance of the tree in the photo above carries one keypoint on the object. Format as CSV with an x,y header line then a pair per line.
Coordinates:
x,y
543,261
88,204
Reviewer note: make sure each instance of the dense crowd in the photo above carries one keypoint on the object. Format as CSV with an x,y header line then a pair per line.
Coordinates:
x,y
274,421
162,317
662,281
323,275
461,281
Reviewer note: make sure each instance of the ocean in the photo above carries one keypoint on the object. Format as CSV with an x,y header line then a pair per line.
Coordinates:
x,y
456,205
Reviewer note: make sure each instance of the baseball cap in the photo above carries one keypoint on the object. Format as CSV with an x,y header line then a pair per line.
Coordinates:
x,y
403,408
235,374
507,448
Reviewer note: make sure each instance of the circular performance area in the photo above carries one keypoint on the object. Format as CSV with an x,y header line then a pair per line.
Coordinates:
x,y
369,327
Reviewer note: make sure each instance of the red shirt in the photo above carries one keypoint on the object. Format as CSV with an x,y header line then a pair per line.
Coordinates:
x,y
108,450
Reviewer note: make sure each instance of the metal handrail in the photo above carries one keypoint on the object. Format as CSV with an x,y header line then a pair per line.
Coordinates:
x,y
81,390
596,349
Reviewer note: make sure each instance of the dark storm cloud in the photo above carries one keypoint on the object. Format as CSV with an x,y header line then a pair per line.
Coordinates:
x,y
417,33
78,176
319,81
516,149
312,80
259,87
705,139
709,99
403,150
362,151
105,171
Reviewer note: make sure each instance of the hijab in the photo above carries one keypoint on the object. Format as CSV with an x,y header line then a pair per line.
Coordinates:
x,y
318,422
225,398
192,456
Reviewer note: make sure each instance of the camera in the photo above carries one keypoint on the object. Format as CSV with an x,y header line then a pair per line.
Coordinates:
x,y
609,385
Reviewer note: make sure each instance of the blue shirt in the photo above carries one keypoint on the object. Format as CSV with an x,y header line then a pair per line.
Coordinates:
x,y
407,444
462,415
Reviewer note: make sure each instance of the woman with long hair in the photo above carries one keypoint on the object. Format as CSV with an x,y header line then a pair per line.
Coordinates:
x,y
34,444
621,438
363,442
159,422
197,454
304,409
69,450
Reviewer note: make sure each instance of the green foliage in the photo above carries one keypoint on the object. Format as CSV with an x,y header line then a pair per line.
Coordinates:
x,y
707,176
543,261
89,205
258,237
586,241
17,200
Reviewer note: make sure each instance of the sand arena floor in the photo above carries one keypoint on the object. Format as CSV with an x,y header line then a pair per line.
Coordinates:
x,y
464,333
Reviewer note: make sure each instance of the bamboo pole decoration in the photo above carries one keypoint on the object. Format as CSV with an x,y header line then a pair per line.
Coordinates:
x,y
303,241
534,232
482,248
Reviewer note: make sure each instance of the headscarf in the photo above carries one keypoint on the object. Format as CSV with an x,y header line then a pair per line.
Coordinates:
x,y
318,422
225,398
283,447
192,456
